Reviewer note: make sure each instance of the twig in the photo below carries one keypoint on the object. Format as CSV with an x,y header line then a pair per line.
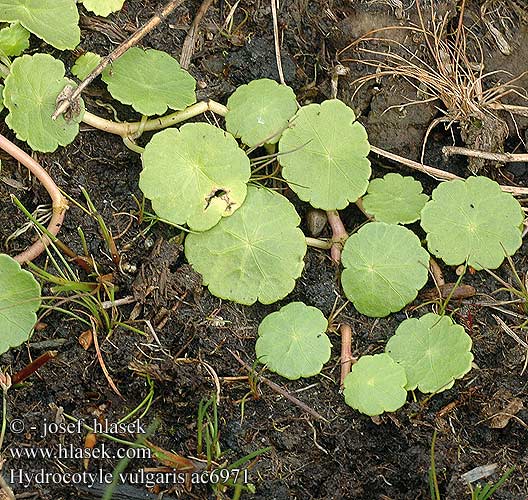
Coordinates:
x,y
109,304
339,234
509,331
437,173
59,202
190,40
346,352
119,51
276,39
501,157
32,367
280,390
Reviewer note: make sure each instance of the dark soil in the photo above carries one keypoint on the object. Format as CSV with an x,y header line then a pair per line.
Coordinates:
x,y
347,456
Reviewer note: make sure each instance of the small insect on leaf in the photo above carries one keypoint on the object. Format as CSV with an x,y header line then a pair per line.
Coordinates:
x,y
245,265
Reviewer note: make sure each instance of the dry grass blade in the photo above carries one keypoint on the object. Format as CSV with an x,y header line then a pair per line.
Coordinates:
x,y
510,332
101,361
276,38
449,71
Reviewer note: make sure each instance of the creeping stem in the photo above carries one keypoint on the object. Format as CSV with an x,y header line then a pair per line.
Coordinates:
x,y
339,234
132,129
347,359
59,202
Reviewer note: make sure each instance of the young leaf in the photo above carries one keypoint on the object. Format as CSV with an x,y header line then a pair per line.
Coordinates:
x,y
85,64
293,341
375,384
195,175
324,155
103,7
151,81
472,220
394,199
259,111
256,254
19,301
55,21
385,266
30,95
14,40
433,351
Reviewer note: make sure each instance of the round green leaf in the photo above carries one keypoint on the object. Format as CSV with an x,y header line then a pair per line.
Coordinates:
x,y
103,7
30,95
433,351
292,341
472,220
55,21
85,64
324,155
19,301
259,111
394,199
385,266
375,384
194,175
14,39
151,81
256,254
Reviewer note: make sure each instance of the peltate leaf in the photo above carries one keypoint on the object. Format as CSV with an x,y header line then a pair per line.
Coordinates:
x,y
292,341
324,155
432,350
151,81
55,21
103,7
14,40
256,254
19,301
259,111
85,64
30,95
472,220
375,384
385,266
394,199
195,175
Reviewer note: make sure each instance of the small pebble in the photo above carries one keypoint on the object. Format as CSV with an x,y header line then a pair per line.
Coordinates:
x,y
316,221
